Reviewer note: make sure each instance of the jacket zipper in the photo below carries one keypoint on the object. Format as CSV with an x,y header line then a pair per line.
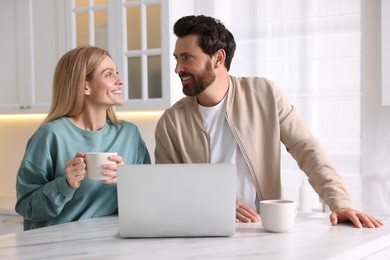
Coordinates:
x,y
254,179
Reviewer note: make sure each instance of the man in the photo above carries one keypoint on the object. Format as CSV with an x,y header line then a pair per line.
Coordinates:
x,y
226,119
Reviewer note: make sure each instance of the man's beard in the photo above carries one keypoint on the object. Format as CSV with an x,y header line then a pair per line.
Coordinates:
x,y
199,84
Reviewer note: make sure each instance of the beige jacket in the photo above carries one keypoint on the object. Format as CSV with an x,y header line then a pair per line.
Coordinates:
x,y
260,118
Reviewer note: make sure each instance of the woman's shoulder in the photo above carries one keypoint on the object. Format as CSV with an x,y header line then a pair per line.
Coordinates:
x,y
124,125
46,134
51,127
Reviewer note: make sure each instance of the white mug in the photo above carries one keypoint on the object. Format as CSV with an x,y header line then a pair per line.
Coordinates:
x,y
95,162
278,215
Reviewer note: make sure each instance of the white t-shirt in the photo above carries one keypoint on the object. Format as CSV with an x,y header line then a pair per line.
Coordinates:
x,y
224,149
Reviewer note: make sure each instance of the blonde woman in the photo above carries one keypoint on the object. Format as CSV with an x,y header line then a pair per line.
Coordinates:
x,y
51,184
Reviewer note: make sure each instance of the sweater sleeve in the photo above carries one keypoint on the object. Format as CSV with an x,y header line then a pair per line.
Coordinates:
x,y
42,191
39,198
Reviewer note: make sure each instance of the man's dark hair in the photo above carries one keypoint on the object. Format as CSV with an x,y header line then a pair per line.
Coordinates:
x,y
213,35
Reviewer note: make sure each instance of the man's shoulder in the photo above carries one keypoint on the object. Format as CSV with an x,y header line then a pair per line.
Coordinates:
x,y
259,85
182,103
180,107
252,81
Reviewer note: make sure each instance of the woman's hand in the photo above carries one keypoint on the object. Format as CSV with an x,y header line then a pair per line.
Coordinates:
x,y
110,169
75,170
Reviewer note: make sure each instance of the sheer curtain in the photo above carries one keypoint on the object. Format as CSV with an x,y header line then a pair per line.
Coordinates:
x,y
375,116
312,51
385,49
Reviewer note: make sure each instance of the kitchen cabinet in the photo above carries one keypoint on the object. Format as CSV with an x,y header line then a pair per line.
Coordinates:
x,y
10,223
39,32
33,39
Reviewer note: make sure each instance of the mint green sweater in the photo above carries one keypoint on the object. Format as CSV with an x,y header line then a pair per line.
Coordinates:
x,y
43,196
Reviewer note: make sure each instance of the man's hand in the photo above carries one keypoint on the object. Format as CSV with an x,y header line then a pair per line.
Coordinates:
x,y
245,213
356,217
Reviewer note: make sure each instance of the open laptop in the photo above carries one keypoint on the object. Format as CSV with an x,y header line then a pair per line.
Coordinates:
x,y
176,200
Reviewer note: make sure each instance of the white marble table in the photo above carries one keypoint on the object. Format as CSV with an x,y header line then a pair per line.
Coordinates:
x,y
312,238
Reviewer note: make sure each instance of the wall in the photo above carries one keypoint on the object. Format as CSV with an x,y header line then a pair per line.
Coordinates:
x,y
14,133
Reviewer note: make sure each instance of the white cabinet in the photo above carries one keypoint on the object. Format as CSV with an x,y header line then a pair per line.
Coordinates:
x,y
8,63
33,38
10,223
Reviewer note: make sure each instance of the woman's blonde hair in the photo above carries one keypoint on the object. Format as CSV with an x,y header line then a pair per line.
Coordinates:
x,y
73,70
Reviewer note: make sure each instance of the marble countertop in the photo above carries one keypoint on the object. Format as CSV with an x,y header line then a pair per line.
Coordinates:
x,y
312,238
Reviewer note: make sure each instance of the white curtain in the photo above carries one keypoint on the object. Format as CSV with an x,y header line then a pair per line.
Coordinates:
x,y
313,51
375,116
385,47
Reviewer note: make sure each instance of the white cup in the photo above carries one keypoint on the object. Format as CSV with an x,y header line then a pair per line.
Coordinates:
x,y
278,215
95,162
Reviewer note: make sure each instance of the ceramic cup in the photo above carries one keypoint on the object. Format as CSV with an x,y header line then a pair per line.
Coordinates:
x,y
278,215
95,162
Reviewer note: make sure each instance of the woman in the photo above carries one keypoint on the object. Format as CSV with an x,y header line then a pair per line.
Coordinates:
x,y
51,185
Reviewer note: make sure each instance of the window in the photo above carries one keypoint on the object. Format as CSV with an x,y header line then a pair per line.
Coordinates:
x,y
137,38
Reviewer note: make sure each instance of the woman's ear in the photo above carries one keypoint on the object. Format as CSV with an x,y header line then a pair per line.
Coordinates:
x,y
87,89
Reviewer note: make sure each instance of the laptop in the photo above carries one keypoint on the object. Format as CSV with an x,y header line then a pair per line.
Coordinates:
x,y
176,200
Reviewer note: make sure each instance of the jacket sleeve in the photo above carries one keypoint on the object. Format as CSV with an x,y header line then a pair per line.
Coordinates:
x,y
165,150
143,153
311,157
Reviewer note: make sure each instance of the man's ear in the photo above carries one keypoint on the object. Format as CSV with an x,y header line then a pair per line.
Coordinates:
x,y
219,58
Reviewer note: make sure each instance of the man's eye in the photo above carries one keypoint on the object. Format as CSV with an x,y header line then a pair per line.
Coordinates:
x,y
186,58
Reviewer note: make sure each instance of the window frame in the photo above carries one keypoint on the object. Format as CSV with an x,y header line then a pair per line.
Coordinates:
x,y
117,46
